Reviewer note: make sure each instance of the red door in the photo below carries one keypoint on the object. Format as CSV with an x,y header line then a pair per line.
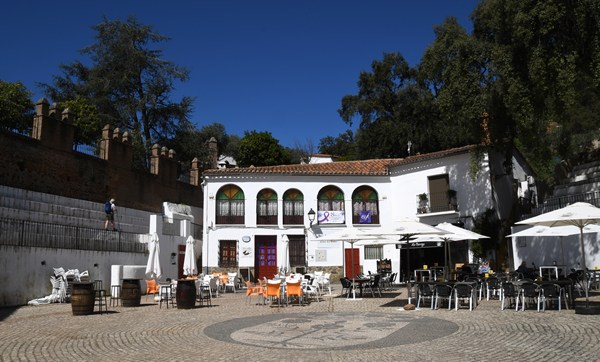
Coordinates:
x,y
266,256
351,262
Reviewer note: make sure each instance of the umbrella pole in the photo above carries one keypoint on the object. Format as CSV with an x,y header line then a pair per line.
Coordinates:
x,y
585,281
352,270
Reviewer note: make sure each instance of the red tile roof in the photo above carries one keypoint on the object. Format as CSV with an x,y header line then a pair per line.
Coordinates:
x,y
378,167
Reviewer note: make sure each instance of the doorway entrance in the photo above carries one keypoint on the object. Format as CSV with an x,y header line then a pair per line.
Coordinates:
x,y
266,256
351,262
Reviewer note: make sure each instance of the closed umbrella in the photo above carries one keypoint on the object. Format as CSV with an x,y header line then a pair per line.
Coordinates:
x,y
153,269
579,214
189,262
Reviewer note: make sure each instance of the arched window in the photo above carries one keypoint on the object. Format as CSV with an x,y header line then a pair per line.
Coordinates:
x,y
293,207
331,206
266,207
230,205
365,209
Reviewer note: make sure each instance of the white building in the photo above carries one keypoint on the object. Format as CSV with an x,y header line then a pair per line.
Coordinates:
x,y
256,219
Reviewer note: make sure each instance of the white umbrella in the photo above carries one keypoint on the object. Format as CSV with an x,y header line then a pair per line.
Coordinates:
x,y
557,231
153,267
579,214
406,229
351,236
455,233
189,261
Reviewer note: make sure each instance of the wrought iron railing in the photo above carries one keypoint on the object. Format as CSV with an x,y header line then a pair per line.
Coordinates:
x,y
26,233
436,202
555,203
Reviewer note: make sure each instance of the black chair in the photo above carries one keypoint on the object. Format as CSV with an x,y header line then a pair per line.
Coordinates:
x,y
374,285
550,292
492,287
510,293
529,293
443,292
424,292
346,285
464,291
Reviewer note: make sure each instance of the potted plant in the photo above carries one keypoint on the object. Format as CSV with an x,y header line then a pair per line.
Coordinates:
x,y
452,197
423,203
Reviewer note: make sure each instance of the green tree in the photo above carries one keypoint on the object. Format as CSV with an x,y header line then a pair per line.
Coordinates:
x,y
454,69
16,107
261,149
544,58
343,146
128,82
393,109
190,143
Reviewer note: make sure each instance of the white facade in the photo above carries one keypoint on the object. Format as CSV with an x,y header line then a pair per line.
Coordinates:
x,y
396,188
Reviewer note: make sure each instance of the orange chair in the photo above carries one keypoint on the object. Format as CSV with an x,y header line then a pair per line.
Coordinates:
x,y
294,289
151,288
273,290
253,291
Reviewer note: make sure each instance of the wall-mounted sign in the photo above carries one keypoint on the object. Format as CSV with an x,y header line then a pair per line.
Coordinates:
x,y
331,217
246,238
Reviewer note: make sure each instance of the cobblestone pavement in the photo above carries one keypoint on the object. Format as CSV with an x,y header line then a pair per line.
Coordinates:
x,y
335,329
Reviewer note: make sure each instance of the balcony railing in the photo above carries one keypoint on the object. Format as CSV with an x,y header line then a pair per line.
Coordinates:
x,y
436,202
556,203
46,235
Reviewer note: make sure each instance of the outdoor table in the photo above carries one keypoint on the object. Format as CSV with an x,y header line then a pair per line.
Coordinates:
x,y
361,282
553,270
424,274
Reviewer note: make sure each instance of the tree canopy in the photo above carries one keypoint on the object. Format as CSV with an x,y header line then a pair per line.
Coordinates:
x,y
16,107
261,149
128,82
530,70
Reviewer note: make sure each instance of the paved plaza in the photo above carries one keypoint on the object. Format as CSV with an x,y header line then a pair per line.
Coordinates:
x,y
334,329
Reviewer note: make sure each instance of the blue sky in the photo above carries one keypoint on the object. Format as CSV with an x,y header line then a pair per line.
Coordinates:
x,y
277,66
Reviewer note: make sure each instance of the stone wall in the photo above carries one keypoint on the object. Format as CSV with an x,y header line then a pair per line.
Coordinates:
x,y
47,163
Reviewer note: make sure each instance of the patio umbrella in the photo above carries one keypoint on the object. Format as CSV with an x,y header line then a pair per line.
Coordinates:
x,y
189,261
405,230
557,231
351,236
153,266
455,233
579,214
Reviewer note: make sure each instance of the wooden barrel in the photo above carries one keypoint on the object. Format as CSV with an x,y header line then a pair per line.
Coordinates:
x,y
82,298
186,293
131,293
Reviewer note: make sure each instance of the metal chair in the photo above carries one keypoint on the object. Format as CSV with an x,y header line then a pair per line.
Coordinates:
x,y
115,295
165,295
443,292
464,291
510,293
100,296
529,292
424,292
551,292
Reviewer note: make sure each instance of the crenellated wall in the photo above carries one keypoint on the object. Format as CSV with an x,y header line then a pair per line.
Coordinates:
x,y
47,163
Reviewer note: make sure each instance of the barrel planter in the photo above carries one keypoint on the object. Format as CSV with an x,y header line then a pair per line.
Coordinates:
x,y
186,293
82,298
131,293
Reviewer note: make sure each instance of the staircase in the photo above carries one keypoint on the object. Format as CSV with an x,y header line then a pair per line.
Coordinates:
x,y
582,184
36,206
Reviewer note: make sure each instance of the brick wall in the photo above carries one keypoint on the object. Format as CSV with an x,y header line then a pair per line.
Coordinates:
x,y
48,164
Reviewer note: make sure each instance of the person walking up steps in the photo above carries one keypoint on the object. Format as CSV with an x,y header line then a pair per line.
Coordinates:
x,y
110,209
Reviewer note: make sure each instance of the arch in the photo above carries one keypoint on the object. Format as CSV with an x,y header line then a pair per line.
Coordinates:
x,y
365,205
266,207
331,205
230,205
293,207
